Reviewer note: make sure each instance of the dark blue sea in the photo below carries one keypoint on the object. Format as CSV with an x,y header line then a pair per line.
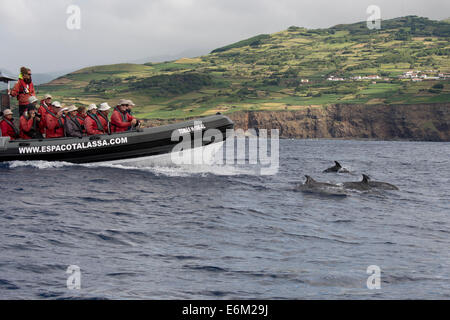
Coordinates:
x,y
171,233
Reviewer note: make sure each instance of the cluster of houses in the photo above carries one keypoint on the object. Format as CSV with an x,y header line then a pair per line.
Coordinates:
x,y
418,75
409,75
356,78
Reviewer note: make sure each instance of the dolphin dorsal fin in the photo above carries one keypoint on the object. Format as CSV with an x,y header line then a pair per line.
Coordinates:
x,y
338,164
365,179
309,179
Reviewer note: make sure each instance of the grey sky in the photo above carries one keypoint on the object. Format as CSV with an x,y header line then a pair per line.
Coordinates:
x,y
34,33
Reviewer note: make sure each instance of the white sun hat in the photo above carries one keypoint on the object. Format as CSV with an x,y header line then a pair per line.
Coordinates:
x,y
92,106
56,104
6,112
32,99
104,106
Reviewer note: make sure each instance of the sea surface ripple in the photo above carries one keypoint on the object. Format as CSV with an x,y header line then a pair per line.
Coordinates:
x,y
171,233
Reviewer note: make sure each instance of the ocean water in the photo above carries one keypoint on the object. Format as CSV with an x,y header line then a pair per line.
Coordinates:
x,y
162,232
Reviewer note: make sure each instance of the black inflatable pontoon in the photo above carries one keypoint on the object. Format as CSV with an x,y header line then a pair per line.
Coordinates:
x,y
126,145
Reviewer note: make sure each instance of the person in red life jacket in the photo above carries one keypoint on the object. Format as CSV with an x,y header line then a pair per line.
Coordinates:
x,y
103,113
32,105
82,113
29,122
121,120
131,105
42,111
91,107
54,122
81,116
72,126
7,125
23,89
92,123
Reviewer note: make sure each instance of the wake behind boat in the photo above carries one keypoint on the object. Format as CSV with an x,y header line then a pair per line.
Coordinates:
x,y
116,146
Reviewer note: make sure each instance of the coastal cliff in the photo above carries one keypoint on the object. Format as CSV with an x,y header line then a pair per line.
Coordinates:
x,y
428,122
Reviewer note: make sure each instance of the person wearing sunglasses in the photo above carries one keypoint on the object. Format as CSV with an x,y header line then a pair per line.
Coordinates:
x,y
23,90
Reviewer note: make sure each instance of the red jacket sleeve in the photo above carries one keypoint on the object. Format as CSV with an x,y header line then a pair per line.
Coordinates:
x,y
130,117
116,120
42,110
43,114
15,90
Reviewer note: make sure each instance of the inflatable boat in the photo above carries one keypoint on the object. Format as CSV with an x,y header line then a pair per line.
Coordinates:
x,y
118,146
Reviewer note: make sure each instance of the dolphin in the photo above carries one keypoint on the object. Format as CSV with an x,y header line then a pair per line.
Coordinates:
x,y
322,188
367,184
336,168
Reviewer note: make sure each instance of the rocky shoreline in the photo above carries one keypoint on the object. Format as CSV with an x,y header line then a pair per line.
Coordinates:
x,y
418,122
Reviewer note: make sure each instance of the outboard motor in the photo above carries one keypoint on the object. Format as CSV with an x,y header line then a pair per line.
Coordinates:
x,y
3,142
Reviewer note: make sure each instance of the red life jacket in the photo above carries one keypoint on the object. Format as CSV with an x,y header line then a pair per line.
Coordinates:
x,y
27,126
9,129
23,91
93,125
54,126
120,121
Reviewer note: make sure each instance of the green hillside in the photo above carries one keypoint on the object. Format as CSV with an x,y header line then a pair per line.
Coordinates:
x,y
284,70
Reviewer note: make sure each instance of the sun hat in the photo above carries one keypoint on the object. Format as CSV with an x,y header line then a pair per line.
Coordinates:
x,y
104,106
32,99
72,108
123,102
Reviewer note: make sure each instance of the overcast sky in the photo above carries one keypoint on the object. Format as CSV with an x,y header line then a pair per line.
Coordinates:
x,y
34,33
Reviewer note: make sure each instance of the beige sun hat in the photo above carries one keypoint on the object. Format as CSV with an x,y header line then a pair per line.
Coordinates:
x,y
48,96
7,112
92,106
72,108
131,103
123,102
